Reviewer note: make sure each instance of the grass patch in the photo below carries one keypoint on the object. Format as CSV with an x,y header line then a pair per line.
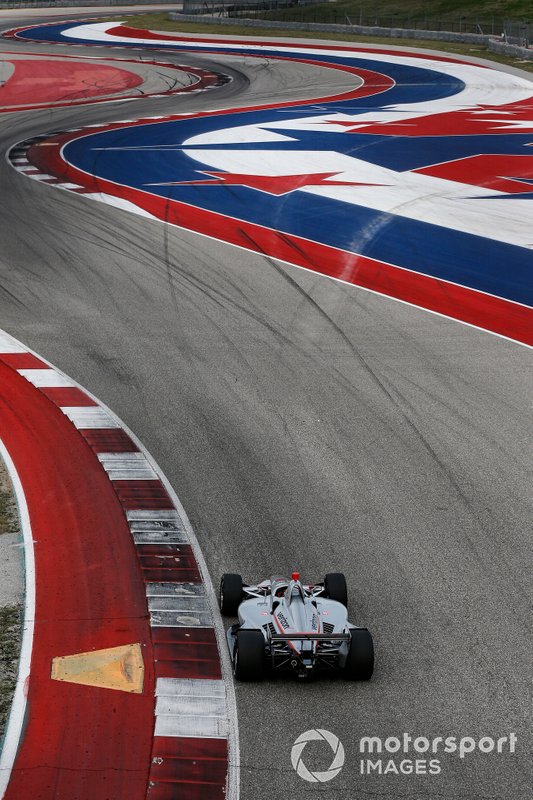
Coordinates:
x,y
161,22
10,636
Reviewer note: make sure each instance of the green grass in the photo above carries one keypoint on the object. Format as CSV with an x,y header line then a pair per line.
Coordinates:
x,y
10,635
161,22
389,12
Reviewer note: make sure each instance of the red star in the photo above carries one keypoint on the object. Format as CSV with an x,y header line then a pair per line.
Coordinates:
x,y
271,184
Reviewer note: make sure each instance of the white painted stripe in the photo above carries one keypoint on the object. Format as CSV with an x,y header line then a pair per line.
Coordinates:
x,y
127,466
173,589
18,706
156,526
159,537
42,176
89,417
141,514
135,474
180,604
195,687
190,707
181,619
201,727
45,378
9,345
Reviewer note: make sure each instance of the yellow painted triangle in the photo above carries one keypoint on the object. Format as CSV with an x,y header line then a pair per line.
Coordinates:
x,y
120,668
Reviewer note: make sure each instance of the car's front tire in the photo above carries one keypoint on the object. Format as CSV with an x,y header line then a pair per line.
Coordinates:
x,y
335,587
231,594
360,660
249,656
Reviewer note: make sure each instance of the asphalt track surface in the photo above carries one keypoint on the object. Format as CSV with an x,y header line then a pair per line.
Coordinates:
x,y
309,424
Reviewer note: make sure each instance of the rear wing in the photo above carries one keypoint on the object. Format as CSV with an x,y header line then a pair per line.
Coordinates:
x,y
310,637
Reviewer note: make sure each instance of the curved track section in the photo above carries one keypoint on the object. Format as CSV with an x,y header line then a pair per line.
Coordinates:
x,y
307,424
123,636
401,186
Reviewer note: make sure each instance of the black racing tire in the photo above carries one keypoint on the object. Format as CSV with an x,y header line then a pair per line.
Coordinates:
x,y
360,661
336,589
231,594
249,656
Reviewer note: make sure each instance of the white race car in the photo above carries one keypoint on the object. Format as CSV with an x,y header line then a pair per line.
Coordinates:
x,y
287,625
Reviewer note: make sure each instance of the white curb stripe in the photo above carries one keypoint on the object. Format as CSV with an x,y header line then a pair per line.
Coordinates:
x,y
190,707
127,466
89,417
45,378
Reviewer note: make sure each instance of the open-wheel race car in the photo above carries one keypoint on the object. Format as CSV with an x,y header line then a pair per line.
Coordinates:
x,y
285,625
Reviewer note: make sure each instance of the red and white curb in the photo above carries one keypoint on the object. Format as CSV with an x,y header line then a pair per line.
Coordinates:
x,y
195,739
201,80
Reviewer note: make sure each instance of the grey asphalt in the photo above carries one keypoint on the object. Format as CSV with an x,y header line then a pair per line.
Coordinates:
x,y
307,424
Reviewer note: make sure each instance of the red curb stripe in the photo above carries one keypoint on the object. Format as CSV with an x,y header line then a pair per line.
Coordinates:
x,y
188,769
23,361
108,440
147,494
159,575
69,396
195,667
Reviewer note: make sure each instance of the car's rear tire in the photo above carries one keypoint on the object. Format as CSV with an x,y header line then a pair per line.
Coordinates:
x,y
231,594
336,589
360,661
249,656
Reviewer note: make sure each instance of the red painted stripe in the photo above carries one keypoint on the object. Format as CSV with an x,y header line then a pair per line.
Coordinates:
x,y
68,396
60,81
108,440
186,653
186,791
82,742
150,494
188,769
163,636
153,574
178,558
23,361
195,667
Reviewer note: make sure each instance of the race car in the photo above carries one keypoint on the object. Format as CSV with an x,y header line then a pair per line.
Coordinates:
x,y
285,625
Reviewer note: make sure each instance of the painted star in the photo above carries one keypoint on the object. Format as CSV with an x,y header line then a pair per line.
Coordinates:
x,y
271,184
